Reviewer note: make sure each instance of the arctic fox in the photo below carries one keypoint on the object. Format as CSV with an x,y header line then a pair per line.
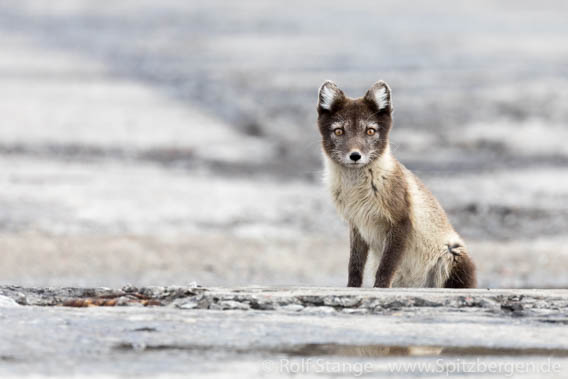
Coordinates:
x,y
389,210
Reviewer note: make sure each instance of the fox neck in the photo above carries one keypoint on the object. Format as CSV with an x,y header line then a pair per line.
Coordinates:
x,y
364,190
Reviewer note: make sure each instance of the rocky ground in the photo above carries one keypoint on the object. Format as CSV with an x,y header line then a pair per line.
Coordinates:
x,y
252,332
162,144
159,145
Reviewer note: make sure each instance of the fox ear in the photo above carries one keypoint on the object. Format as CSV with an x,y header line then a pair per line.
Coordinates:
x,y
329,95
380,95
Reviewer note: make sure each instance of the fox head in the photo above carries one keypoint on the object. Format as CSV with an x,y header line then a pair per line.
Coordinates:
x,y
354,131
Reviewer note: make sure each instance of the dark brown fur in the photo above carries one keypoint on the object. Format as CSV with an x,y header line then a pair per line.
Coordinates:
x,y
399,208
398,201
357,258
462,274
393,253
348,109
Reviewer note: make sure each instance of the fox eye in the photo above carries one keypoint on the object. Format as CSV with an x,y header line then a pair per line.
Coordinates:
x,y
338,132
371,132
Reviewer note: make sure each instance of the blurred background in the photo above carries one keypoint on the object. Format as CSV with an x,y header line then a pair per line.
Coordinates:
x,y
167,142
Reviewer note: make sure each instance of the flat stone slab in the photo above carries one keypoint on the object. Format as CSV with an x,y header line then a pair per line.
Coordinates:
x,y
272,332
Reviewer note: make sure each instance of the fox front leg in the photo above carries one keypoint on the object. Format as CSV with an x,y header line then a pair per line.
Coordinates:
x,y
357,258
392,255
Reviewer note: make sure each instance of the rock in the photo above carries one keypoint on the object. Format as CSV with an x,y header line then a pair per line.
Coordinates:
x,y
319,310
355,311
291,308
226,330
6,302
230,304
342,301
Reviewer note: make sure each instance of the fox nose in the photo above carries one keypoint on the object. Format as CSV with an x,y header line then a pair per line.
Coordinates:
x,y
355,156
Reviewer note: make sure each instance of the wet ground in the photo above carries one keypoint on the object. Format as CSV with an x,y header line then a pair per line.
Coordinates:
x,y
165,144
283,332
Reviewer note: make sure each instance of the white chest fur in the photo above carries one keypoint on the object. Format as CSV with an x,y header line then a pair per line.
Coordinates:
x,y
358,196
